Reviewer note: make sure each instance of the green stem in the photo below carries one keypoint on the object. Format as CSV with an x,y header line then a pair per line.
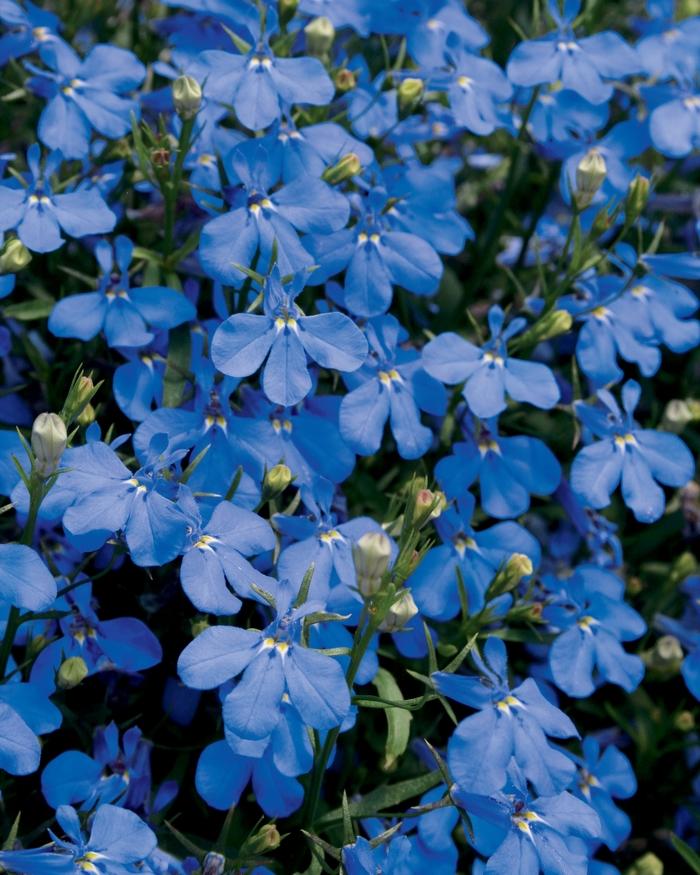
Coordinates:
x,y
171,189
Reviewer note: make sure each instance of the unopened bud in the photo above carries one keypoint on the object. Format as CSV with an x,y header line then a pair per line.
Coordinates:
x,y
551,325
649,864
685,721
80,394
680,412
400,613
214,864
371,554
637,197
198,625
518,566
265,840
428,506
276,481
14,257
160,156
49,440
347,167
590,175
319,34
409,93
35,645
345,80
72,672
187,96
87,416
287,10
665,656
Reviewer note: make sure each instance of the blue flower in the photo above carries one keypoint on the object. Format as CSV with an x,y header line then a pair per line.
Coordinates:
x,y
589,611
39,215
687,631
122,312
84,95
579,64
27,29
116,773
260,219
474,87
118,840
282,339
273,662
528,836
361,858
477,555
674,126
372,110
640,458
490,372
25,581
510,722
25,713
509,469
603,777
258,85
392,385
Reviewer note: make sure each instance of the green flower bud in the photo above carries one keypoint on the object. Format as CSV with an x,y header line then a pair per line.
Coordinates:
x,y
287,10
72,672
679,413
552,324
637,197
319,34
685,721
590,175
428,506
80,394
409,93
649,864
266,839
187,96
665,657
87,416
198,625
49,440
14,257
345,80
347,167
518,566
400,613
371,555
276,481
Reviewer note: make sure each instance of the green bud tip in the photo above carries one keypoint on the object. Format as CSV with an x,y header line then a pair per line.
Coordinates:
x,y
72,672
15,256
319,34
187,96
590,175
49,440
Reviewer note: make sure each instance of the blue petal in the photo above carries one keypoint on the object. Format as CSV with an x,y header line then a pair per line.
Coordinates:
x,y
317,688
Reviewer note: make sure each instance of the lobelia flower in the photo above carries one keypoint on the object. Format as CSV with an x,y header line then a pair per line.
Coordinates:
x,y
687,631
510,722
282,339
372,110
426,41
639,458
116,773
28,27
391,385
123,644
674,127
25,581
509,469
477,555
122,312
272,764
361,858
263,221
489,371
84,95
104,497
138,382
579,64
525,835
474,87
376,254
39,215
590,613
603,777
259,84
214,572
273,663
118,841
25,714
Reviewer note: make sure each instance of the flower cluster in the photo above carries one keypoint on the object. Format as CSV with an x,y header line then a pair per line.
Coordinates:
x,y
347,402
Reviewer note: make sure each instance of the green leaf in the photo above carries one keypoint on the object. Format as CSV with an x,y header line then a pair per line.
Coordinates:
x,y
26,311
383,798
688,854
398,719
177,367
12,835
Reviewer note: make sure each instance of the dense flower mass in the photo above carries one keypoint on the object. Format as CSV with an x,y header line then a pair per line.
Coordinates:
x,y
347,437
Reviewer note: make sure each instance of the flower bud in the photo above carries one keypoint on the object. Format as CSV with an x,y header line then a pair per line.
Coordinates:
x,y
590,175
214,864
15,256
679,413
410,92
665,656
403,610
551,325
347,167
198,625
428,506
319,34
371,555
637,197
265,840
276,481
87,416
80,394
518,566
287,10
649,864
187,96
49,440
72,672
345,80
685,721
160,156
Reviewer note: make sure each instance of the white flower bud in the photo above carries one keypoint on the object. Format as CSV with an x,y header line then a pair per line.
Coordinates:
x,y
49,439
371,554
187,96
